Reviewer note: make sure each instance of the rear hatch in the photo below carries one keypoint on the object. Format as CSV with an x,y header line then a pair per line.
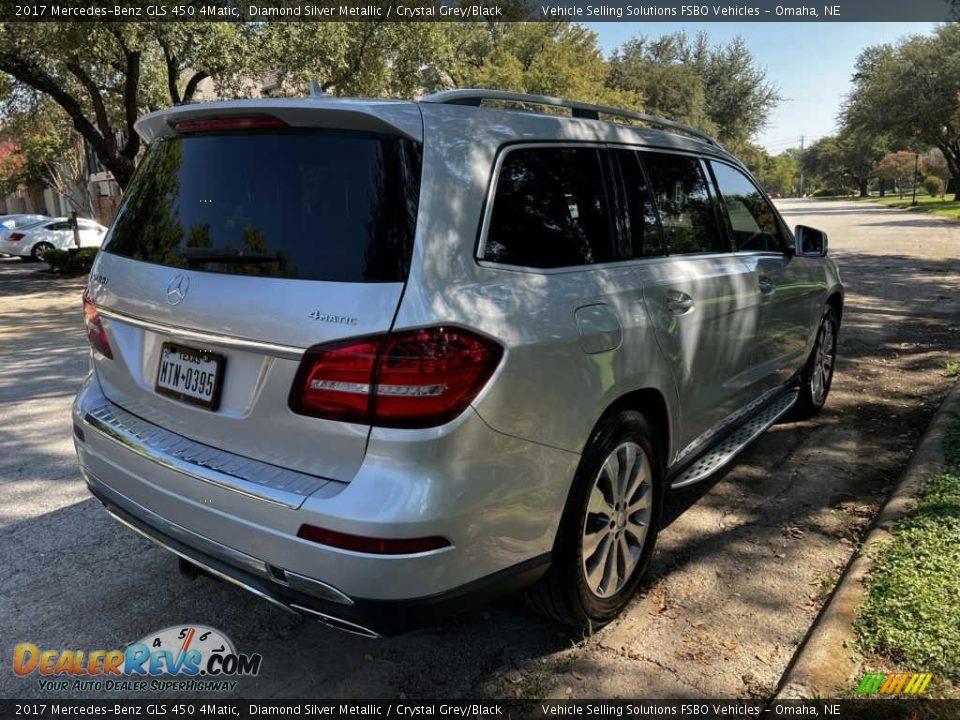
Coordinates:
x,y
251,232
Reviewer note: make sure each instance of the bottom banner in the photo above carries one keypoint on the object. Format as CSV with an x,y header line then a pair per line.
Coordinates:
x,y
648,709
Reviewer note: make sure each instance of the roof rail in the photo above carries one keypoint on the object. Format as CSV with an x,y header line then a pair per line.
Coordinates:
x,y
474,98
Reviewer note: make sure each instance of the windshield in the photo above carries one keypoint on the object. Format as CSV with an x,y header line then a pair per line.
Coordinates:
x,y
314,205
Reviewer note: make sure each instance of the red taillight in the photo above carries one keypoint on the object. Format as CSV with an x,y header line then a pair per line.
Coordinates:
x,y
95,332
375,546
15,237
410,379
227,124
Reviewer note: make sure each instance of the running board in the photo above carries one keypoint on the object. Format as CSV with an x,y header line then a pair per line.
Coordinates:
x,y
731,445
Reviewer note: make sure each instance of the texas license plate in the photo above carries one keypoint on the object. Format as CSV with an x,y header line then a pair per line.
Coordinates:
x,y
190,375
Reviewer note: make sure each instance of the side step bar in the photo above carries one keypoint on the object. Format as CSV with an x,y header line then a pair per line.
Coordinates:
x,y
728,447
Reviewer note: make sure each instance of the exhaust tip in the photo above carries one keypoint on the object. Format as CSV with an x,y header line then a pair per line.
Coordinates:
x,y
337,623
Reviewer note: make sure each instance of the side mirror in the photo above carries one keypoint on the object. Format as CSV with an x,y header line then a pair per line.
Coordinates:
x,y
809,242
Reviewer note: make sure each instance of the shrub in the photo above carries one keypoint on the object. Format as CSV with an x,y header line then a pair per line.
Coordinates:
x,y
71,262
932,185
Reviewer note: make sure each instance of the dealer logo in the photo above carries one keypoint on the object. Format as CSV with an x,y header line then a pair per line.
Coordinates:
x,y
181,657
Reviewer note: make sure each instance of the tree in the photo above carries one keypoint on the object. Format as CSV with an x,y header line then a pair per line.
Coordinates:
x,y
897,167
104,75
858,154
720,89
911,92
549,58
44,156
778,174
378,58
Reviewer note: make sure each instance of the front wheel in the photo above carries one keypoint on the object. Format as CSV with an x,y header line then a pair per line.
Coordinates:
x,y
609,526
817,376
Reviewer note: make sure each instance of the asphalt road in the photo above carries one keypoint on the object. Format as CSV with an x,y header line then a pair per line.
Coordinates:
x,y
740,573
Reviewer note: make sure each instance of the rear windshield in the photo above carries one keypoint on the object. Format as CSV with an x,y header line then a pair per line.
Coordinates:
x,y
309,205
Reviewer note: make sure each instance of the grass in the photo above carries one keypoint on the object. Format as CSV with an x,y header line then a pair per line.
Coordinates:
x,y
953,367
911,615
925,203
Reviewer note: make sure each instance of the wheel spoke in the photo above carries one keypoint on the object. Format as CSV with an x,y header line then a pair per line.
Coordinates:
x,y
592,543
629,557
609,571
628,460
599,504
596,566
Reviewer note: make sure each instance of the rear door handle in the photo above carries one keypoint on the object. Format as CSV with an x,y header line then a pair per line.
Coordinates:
x,y
767,286
679,303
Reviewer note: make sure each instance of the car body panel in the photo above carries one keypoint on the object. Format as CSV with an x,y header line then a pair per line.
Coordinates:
x,y
576,342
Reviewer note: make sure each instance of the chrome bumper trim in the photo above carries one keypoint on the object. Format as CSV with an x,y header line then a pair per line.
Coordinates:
x,y
203,566
288,352
218,551
233,472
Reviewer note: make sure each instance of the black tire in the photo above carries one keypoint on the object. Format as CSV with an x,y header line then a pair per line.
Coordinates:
x,y
37,251
814,391
563,593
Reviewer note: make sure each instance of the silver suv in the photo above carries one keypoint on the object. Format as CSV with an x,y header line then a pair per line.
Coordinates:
x,y
374,360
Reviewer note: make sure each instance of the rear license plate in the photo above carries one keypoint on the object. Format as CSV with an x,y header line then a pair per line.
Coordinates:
x,y
190,375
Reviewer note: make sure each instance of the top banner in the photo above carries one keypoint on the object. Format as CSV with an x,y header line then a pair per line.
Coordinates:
x,y
483,11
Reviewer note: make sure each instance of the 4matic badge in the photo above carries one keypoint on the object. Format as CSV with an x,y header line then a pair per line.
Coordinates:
x,y
331,318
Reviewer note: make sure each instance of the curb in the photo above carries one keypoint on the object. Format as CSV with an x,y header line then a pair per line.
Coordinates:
x,y
823,665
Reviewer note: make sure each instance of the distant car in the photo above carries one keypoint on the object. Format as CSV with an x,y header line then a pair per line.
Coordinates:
x,y
12,222
32,241
775,196
9,223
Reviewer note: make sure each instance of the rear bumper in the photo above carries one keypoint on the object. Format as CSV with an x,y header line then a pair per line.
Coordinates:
x,y
13,248
501,523
304,596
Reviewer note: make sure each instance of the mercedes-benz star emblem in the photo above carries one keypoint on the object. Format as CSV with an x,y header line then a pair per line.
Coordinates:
x,y
177,289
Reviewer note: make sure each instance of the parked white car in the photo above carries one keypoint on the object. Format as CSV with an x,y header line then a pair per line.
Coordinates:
x,y
32,241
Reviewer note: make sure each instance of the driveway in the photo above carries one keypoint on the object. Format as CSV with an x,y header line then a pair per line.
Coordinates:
x,y
741,571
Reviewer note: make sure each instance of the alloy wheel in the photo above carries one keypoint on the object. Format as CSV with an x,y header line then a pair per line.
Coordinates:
x,y
617,520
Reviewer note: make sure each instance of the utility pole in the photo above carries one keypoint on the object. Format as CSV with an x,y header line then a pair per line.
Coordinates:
x,y
916,171
801,166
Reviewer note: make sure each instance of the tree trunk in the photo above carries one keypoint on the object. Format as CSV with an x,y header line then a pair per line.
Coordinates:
x,y
863,188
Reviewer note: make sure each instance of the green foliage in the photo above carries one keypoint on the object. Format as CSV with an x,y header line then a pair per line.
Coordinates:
x,y
911,613
779,174
843,162
720,89
911,92
72,262
932,184
103,75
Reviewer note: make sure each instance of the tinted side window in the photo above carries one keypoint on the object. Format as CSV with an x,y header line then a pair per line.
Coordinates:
x,y
683,201
549,210
752,221
642,231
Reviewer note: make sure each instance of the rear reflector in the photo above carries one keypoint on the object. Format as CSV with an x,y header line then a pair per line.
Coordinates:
x,y
373,546
228,124
408,379
95,332
15,237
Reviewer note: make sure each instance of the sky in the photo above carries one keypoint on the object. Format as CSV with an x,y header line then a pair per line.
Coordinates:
x,y
810,62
